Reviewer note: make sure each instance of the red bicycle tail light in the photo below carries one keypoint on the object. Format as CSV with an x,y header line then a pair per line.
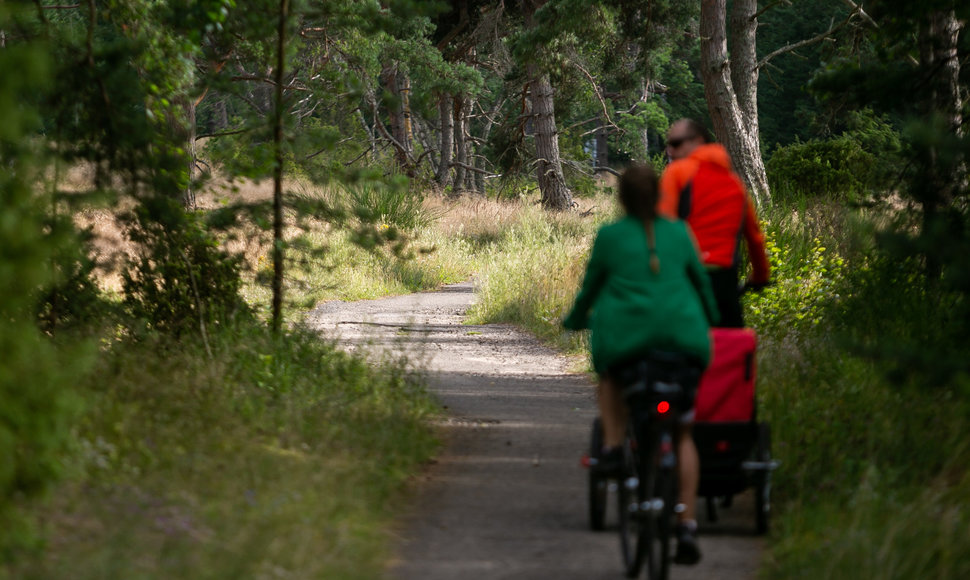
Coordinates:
x,y
663,407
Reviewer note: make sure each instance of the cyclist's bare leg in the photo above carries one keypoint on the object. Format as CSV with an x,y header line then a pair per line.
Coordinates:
x,y
689,468
612,413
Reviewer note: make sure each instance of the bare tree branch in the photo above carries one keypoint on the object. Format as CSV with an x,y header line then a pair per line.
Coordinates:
x,y
769,7
607,169
358,158
223,134
596,91
473,169
268,81
861,12
808,41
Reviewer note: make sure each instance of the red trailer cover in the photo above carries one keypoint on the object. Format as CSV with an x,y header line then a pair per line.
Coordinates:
x,y
726,391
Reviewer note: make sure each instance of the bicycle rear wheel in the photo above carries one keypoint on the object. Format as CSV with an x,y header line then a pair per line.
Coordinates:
x,y
762,479
598,485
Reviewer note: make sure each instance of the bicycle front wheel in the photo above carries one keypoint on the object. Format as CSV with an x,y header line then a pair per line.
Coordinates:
x,y
658,510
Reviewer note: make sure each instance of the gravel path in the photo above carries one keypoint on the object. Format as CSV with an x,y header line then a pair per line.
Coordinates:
x,y
507,498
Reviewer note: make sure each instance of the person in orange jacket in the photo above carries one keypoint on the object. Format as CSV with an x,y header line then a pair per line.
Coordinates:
x,y
700,187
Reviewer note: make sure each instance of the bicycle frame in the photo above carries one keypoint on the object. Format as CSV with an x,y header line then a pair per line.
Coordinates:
x,y
648,493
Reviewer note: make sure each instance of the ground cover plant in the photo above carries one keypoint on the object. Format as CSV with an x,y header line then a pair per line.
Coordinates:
x,y
274,456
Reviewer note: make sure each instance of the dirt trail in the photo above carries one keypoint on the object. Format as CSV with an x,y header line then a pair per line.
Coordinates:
x,y
507,498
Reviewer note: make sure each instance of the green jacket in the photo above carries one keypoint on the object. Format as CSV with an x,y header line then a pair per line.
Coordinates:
x,y
629,309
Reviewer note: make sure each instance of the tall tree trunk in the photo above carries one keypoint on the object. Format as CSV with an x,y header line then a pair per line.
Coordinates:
x,y
190,152
367,130
497,104
407,125
602,157
552,184
278,255
734,109
939,62
447,138
396,85
479,176
220,117
470,149
462,108
181,122
744,60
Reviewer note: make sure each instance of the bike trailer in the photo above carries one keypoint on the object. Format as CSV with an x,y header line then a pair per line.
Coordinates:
x,y
725,430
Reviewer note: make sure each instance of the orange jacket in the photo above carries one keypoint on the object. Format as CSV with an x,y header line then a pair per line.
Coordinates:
x,y
703,190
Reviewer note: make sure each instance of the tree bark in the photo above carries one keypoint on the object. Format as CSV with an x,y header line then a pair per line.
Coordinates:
x,y
181,122
278,255
460,111
447,139
220,119
939,62
602,157
734,109
744,60
944,33
470,148
552,184
397,85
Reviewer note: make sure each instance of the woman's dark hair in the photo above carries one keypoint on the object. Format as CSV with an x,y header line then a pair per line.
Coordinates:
x,y
639,191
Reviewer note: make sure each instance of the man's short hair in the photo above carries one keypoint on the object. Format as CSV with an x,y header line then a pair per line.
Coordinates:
x,y
697,129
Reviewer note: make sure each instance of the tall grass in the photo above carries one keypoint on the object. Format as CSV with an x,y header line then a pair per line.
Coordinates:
x,y
873,470
529,274
275,458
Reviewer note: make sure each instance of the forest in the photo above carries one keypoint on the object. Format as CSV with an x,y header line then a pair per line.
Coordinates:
x,y
182,180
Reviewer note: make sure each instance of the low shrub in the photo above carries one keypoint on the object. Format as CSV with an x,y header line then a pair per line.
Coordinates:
x,y
181,279
856,166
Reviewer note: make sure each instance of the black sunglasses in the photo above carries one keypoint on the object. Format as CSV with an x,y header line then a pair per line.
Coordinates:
x,y
675,143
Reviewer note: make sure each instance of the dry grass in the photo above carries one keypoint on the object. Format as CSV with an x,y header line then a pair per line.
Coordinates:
x,y
443,252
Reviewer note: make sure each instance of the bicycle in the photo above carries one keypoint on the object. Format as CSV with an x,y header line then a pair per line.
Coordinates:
x,y
657,389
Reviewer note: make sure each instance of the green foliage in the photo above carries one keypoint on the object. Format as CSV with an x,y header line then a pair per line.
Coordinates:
x,y
72,299
36,405
645,116
787,112
863,378
805,283
917,331
861,164
387,206
922,253
181,279
276,454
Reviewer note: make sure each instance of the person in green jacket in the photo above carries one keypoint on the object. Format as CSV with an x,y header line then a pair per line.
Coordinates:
x,y
645,289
